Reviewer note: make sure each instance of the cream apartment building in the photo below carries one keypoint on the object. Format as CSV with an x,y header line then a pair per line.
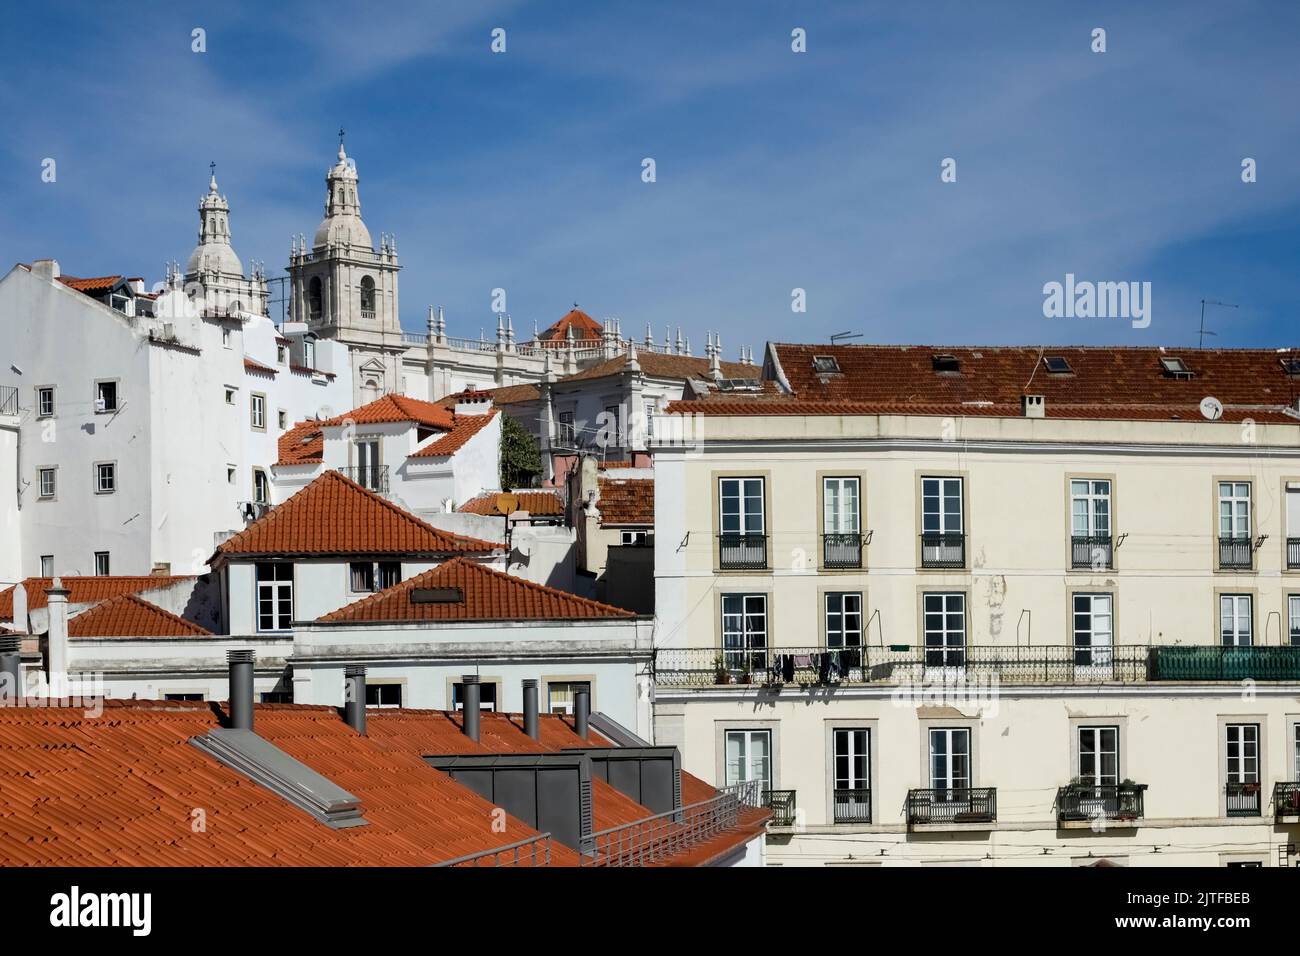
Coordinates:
x,y
991,606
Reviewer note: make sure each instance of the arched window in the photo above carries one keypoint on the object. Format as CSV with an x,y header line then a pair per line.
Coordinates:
x,y
313,298
367,297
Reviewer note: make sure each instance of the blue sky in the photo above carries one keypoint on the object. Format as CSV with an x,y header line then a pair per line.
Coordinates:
x,y
775,170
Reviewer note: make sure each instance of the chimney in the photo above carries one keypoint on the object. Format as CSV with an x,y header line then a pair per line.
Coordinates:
x,y
56,641
11,670
49,268
354,697
470,705
531,727
473,402
1034,406
581,711
21,624
241,689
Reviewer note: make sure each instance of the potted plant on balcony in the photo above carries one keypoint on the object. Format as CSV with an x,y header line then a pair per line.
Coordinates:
x,y
746,675
720,673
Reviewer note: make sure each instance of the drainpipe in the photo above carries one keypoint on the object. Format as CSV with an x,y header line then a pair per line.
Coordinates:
x,y
531,727
354,697
241,688
470,702
581,711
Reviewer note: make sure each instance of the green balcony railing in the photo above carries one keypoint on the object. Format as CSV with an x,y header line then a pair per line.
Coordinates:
x,y
1224,663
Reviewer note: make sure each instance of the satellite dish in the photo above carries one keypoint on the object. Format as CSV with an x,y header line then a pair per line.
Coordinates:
x,y
1211,408
507,504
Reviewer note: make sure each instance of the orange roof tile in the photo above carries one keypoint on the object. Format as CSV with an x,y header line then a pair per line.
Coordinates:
x,y
505,395
252,365
86,588
543,502
397,408
486,595
129,616
92,285
626,501
464,428
335,515
585,328
303,444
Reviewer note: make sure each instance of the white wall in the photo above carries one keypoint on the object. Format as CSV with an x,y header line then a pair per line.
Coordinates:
x,y
11,553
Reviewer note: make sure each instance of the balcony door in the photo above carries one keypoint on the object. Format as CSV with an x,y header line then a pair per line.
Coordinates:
x,y
744,631
852,797
1293,525
742,523
1099,756
368,469
1235,620
1293,616
950,763
1090,524
841,523
1094,637
1242,770
943,524
749,757
945,630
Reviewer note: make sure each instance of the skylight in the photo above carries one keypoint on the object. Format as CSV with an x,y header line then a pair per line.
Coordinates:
x,y
1057,365
1176,367
824,364
945,363
1291,365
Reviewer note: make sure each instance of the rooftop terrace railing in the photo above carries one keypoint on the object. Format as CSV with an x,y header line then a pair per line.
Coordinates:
x,y
534,851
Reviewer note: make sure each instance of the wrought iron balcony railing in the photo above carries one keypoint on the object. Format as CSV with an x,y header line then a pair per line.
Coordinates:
x,y
781,803
1208,662
1293,554
943,549
1243,799
1087,802
1235,554
842,550
374,477
964,805
852,806
534,851
1286,798
1092,551
742,552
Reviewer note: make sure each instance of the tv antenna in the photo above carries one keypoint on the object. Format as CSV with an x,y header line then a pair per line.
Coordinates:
x,y
1204,302
839,336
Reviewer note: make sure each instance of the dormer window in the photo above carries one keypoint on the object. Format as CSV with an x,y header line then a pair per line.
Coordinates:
x,y
825,364
945,363
1291,366
1057,365
1175,367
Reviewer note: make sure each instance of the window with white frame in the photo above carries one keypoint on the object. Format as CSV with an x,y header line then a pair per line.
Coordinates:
x,y
261,487
560,695
309,353
1293,616
1234,509
47,565
383,695
230,395
374,575
45,482
1099,756
841,506
945,628
1093,622
564,432
744,631
487,696
640,537
105,478
102,564
843,619
852,774
1235,619
1242,750
257,411
274,596
649,420
950,763
45,401
741,509
749,757
941,506
105,397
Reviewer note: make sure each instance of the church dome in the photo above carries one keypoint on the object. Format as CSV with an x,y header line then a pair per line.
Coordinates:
x,y
214,252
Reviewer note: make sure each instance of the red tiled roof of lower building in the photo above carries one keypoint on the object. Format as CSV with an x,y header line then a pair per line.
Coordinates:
x,y
397,408
84,589
121,789
335,515
128,616
505,395
544,502
464,428
658,365
303,444
91,285
626,501
485,595
252,365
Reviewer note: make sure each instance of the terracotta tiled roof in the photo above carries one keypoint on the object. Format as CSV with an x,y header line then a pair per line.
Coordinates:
x,y
252,365
487,595
86,589
120,789
544,502
334,515
626,501
1100,383
505,395
655,365
303,444
607,465
96,285
585,328
465,428
129,616
397,408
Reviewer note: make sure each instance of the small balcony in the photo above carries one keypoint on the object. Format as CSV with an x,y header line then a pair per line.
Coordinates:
x,y
742,552
943,549
1210,662
957,807
781,803
373,477
1235,554
840,551
1286,801
1092,551
1243,799
1084,804
852,806
1293,554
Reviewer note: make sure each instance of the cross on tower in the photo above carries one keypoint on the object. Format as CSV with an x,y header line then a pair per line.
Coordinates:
x,y
340,135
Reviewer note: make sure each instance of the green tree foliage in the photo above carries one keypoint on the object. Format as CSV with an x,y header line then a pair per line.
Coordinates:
x,y
521,462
